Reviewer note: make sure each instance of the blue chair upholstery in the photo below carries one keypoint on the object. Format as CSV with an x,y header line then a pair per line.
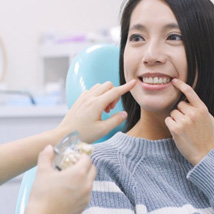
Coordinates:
x,y
96,64
24,191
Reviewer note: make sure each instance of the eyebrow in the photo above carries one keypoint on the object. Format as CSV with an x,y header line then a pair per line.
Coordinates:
x,y
166,27
171,26
137,27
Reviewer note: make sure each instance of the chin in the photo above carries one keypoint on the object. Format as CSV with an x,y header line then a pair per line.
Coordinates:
x,y
158,107
157,102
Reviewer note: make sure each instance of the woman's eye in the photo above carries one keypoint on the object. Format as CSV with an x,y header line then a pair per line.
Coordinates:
x,y
176,37
136,38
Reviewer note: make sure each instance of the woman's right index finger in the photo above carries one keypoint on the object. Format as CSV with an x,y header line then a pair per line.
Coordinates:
x,y
126,87
116,92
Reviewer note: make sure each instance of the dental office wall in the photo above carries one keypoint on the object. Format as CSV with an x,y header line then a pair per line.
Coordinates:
x,y
23,22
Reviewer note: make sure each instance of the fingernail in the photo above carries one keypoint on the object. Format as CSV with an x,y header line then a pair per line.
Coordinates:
x,y
174,80
133,81
123,114
48,148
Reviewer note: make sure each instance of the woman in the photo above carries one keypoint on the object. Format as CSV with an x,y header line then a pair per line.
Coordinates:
x,y
164,163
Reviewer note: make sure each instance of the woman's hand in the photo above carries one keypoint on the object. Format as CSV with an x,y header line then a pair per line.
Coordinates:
x,y
191,125
63,192
85,115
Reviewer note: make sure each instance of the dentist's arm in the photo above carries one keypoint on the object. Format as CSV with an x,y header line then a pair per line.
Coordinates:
x,y
84,117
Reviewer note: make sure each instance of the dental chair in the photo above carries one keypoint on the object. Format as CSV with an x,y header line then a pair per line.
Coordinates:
x,y
96,64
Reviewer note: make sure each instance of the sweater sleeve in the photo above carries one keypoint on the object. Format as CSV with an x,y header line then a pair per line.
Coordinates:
x,y
202,175
107,195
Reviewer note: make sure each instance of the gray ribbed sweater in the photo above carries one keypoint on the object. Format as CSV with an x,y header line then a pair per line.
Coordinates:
x,y
135,175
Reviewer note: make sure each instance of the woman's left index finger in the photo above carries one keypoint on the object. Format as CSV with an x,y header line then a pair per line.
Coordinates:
x,y
188,91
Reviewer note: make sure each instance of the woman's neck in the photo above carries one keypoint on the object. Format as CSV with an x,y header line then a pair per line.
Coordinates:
x,y
150,126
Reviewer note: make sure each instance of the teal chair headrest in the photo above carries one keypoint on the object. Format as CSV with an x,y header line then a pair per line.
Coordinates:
x,y
96,64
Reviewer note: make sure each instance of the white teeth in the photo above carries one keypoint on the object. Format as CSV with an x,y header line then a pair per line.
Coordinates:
x,y
156,80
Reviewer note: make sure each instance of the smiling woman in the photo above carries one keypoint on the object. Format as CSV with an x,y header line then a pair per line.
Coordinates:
x,y
154,54
3,61
164,163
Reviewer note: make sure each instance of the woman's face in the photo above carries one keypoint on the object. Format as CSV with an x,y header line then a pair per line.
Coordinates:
x,y
154,54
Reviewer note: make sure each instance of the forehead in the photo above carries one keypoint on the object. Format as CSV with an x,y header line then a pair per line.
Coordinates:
x,y
150,11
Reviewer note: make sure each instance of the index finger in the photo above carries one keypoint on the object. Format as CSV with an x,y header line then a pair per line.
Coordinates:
x,y
188,91
116,92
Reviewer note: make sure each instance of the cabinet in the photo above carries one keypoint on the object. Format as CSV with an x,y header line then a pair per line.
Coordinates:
x,y
56,58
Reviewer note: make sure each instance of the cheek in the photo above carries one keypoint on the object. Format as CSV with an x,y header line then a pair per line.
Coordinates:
x,y
182,67
127,73
127,66
131,61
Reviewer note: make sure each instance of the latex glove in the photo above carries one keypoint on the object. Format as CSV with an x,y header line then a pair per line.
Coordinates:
x,y
85,114
191,125
64,192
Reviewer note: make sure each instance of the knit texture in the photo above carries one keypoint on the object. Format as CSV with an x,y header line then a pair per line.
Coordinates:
x,y
135,175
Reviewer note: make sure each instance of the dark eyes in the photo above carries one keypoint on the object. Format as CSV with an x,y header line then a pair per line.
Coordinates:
x,y
136,38
176,37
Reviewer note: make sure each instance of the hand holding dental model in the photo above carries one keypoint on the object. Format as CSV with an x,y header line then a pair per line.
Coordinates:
x,y
70,189
191,125
69,150
63,192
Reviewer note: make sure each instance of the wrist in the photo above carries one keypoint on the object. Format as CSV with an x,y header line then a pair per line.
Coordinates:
x,y
41,207
64,129
198,158
58,134
34,208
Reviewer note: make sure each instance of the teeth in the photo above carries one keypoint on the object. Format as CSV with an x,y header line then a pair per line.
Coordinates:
x,y
156,80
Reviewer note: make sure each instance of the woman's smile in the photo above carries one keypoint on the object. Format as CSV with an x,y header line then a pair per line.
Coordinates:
x,y
155,81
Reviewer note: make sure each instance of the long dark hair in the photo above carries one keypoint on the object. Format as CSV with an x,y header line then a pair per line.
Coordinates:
x,y
196,21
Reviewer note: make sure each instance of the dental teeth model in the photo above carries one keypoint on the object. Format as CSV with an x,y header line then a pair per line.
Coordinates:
x,y
69,150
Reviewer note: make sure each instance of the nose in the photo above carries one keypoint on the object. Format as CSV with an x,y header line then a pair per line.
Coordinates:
x,y
153,54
